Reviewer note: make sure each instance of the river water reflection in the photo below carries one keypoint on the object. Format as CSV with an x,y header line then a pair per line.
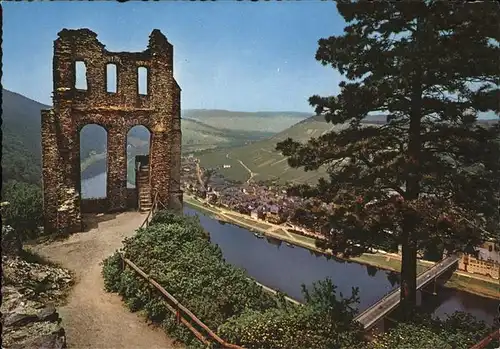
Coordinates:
x,y
285,268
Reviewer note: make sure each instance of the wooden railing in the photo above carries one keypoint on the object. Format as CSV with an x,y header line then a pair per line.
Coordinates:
x,y
151,211
183,315
483,343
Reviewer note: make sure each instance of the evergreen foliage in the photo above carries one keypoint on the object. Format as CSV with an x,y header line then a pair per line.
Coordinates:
x,y
430,176
24,211
458,331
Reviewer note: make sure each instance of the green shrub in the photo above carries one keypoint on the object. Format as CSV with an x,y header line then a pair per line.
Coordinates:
x,y
324,322
24,211
297,328
112,271
457,331
175,252
11,241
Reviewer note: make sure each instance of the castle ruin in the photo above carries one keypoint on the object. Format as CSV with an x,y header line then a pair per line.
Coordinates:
x,y
117,112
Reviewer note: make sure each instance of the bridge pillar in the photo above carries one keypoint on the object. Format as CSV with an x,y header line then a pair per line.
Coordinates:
x,y
378,327
419,298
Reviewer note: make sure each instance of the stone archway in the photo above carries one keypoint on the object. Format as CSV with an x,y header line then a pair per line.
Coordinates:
x,y
117,110
93,162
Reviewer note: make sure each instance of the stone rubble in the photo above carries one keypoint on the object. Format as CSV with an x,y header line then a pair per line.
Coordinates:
x,y
29,294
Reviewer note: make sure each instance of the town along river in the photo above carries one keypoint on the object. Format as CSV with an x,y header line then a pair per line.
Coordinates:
x,y
286,268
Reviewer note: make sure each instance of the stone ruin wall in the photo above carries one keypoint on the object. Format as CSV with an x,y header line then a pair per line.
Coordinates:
x,y
117,112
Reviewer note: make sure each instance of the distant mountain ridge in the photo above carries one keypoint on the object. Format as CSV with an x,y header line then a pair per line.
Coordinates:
x,y
243,136
190,113
269,122
21,128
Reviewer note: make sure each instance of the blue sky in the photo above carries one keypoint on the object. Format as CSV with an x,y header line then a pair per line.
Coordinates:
x,y
248,56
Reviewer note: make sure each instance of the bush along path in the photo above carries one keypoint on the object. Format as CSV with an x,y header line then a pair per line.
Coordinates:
x,y
176,252
92,318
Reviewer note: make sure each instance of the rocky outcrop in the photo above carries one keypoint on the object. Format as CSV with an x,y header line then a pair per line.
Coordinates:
x,y
11,241
35,281
30,292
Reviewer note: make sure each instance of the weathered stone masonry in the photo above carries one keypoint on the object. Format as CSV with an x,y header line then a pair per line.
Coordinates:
x,y
118,112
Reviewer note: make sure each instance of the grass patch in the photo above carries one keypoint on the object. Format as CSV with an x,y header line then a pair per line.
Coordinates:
x,y
305,239
200,207
217,159
475,286
250,222
268,163
280,232
379,261
387,262
241,223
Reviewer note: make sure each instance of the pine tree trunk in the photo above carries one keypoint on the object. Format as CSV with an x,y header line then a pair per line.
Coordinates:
x,y
408,294
409,245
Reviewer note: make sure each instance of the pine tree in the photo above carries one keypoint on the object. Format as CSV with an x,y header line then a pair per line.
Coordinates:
x,y
430,174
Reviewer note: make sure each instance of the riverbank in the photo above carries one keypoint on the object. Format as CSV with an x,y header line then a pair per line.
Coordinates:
x,y
96,164
474,284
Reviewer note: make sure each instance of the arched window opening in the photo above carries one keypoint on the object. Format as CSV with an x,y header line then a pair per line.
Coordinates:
x,y
111,78
80,75
93,161
138,142
142,80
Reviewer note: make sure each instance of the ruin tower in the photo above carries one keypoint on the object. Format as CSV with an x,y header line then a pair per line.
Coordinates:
x,y
117,112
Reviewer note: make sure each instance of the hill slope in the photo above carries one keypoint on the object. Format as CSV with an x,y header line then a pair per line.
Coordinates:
x,y
197,135
267,122
207,129
260,161
21,151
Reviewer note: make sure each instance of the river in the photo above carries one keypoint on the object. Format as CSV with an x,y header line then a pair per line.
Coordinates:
x,y
95,187
286,268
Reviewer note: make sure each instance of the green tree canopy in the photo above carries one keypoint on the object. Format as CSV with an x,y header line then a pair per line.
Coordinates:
x,y
24,211
430,174
457,331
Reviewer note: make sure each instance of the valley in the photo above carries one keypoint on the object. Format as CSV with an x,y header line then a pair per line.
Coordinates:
x,y
202,131
262,159
175,178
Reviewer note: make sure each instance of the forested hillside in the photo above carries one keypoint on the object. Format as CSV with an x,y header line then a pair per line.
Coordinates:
x,y
21,148
21,131
202,130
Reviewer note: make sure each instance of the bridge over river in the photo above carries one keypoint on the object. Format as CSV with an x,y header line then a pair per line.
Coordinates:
x,y
389,302
285,268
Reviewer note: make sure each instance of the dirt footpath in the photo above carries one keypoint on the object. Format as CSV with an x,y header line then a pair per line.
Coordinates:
x,y
92,317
